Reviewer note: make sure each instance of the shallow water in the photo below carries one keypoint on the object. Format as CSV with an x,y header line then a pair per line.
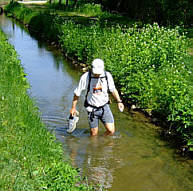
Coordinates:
x,y
134,159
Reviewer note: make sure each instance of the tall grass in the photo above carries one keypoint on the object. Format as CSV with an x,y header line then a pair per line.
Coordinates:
x,y
30,158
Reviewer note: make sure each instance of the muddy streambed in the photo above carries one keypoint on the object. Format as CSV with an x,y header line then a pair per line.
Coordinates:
x,y
134,159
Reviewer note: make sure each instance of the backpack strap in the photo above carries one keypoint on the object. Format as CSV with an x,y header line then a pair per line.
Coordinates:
x,y
89,80
88,89
107,81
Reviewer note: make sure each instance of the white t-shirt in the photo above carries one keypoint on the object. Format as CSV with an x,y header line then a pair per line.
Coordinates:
x,y
98,94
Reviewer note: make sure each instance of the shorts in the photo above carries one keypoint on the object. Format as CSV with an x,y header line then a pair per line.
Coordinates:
x,y
104,114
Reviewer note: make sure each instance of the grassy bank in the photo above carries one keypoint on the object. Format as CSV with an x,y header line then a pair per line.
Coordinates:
x,y
30,158
148,63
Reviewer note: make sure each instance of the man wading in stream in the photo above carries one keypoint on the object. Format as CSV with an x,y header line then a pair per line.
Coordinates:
x,y
97,83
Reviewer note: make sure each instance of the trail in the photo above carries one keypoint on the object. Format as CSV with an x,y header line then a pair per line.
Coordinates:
x,y
32,2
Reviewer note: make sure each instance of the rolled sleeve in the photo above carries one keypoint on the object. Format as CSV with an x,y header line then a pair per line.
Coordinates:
x,y
111,82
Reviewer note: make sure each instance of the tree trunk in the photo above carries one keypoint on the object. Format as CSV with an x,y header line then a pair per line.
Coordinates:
x,y
60,2
119,4
50,1
66,3
75,3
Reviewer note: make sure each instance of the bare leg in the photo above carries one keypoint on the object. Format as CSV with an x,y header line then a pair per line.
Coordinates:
x,y
94,131
110,128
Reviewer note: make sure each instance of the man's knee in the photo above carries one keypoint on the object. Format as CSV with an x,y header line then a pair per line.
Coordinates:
x,y
111,131
110,128
94,131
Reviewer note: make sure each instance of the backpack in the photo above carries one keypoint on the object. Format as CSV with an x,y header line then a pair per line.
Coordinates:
x,y
86,104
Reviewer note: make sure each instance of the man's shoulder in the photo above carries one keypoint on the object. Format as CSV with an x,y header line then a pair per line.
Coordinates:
x,y
108,73
84,76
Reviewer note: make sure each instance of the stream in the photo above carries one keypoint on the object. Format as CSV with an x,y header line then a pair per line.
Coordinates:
x,y
135,158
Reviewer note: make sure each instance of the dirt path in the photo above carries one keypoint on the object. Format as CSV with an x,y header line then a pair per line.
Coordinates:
x,y
32,2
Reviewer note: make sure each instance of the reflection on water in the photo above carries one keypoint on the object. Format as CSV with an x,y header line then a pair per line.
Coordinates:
x,y
133,159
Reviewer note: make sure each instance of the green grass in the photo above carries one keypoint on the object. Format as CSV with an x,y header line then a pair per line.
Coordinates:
x,y
30,158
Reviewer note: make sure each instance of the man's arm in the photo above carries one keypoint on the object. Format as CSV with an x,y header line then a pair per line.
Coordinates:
x,y
119,101
77,92
74,103
116,95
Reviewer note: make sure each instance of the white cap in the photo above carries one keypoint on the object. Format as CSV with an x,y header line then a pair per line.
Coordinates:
x,y
97,66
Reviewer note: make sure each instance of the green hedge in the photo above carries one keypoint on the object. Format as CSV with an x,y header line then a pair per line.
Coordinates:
x,y
30,157
147,64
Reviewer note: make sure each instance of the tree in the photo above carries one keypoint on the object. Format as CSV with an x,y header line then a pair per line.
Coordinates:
x,y
75,3
67,3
